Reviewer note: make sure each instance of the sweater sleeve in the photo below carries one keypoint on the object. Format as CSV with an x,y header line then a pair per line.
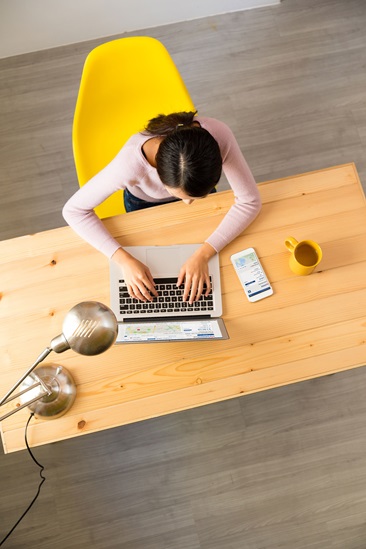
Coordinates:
x,y
79,213
247,198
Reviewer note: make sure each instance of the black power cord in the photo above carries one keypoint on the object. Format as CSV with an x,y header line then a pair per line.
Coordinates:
x,y
39,487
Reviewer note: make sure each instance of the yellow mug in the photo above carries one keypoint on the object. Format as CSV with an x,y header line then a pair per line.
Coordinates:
x,y
305,255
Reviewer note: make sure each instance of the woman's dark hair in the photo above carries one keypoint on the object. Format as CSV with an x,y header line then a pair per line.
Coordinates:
x,y
189,157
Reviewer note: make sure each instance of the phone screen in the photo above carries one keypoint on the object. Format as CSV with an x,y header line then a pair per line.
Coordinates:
x,y
251,274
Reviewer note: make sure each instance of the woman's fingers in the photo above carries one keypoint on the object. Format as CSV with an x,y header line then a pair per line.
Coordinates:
x,y
140,292
195,284
208,285
193,291
139,280
143,290
194,287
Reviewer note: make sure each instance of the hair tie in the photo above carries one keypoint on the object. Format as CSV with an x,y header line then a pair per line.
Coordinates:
x,y
178,125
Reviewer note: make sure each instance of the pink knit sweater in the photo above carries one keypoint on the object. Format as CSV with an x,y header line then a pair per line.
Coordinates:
x,y
130,169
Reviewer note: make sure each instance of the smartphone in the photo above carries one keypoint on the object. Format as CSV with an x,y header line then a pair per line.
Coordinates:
x,y
251,275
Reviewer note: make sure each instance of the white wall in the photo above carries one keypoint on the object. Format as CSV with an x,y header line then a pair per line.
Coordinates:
x,y
32,25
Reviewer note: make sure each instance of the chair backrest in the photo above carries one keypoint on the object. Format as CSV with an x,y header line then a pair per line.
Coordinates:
x,y
124,83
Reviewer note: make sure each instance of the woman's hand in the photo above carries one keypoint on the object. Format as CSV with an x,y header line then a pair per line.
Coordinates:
x,y
194,274
139,280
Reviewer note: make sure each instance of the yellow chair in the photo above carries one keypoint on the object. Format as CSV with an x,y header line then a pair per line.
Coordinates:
x,y
124,83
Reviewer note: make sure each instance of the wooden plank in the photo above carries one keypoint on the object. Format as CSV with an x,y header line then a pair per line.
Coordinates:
x,y
200,394
309,182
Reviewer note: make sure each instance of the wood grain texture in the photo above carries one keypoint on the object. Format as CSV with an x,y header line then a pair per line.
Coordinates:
x,y
283,468
311,326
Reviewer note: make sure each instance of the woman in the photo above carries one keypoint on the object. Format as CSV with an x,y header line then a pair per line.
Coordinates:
x,y
178,157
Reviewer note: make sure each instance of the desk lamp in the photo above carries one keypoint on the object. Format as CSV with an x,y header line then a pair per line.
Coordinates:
x,y
89,328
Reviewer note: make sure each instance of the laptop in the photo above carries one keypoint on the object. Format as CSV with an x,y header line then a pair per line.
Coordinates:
x,y
167,317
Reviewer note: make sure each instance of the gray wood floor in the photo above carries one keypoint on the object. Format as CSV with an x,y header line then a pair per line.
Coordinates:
x,y
285,468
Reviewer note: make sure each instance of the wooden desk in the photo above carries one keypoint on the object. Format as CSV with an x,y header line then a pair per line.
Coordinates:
x,y
310,327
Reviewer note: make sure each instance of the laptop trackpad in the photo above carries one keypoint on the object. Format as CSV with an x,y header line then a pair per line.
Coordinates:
x,y
163,260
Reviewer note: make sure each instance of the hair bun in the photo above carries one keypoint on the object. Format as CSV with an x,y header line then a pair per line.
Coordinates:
x,y
164,124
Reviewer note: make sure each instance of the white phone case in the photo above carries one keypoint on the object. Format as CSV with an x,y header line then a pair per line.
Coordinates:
x,y
251,275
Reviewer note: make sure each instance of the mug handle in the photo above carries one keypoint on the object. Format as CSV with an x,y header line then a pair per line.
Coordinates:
x,y
291,243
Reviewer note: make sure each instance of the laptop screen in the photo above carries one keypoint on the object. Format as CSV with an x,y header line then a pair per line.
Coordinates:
x,y
171,330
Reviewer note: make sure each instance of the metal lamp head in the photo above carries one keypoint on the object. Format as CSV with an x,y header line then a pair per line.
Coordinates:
x,y
89,328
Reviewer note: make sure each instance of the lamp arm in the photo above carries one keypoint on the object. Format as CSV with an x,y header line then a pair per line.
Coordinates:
x,y
41,357
25,403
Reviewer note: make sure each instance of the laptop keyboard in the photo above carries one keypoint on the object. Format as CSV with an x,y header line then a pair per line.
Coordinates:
x,y
169,301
